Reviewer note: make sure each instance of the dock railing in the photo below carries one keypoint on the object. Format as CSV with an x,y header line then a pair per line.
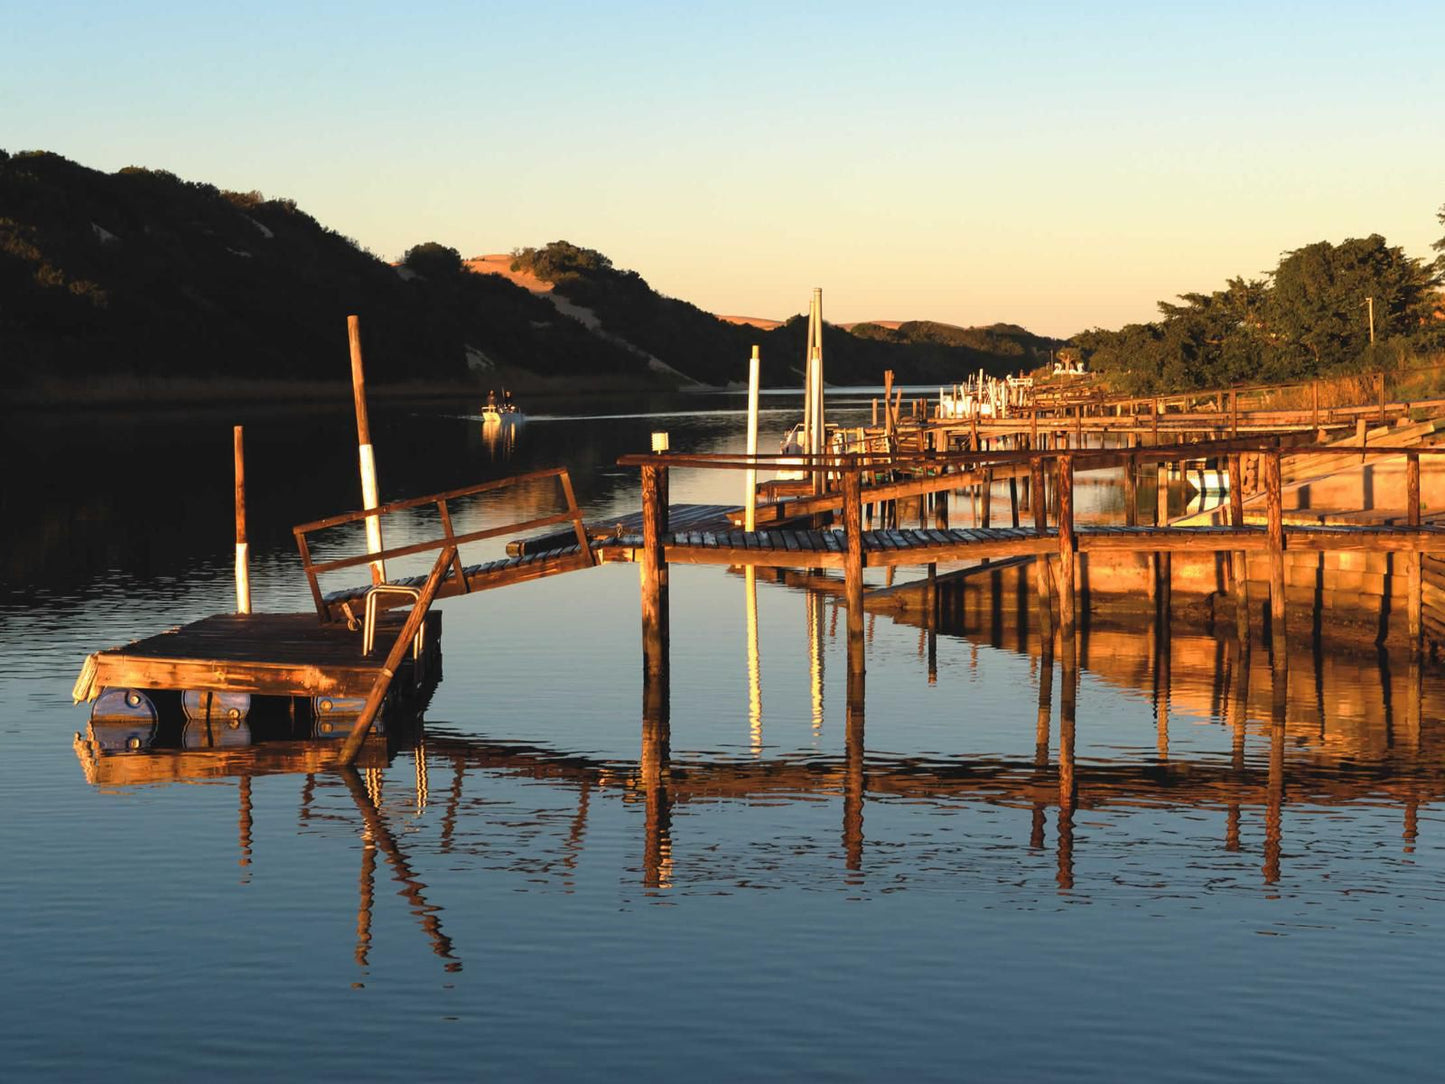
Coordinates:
x,y
935,472
458,581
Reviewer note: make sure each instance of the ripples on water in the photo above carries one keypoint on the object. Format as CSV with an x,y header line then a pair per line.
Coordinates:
x,y
555,881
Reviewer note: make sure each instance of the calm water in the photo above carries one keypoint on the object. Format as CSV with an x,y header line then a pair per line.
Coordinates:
x,y
1246,885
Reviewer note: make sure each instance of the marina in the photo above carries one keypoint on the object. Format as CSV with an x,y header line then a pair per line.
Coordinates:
x,y
545,774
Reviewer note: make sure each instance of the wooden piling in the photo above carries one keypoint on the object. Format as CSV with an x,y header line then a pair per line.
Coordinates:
x,y
1415,588
367,458
1065,485
243,549
653,570
1274,510
1238,561
1131,491
853,538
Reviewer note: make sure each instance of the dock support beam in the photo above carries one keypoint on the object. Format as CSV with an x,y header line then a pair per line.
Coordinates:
x,y
1415,571
1239,563
853,558
1274,510
1066,555
653,571
1043,577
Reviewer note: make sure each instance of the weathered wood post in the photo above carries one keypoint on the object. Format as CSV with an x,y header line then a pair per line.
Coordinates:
x,y
363,441
1238,560
1065,485
1043,573
1013,496
243,548
986,498
888,409
653,568
1131,489
820,433
1315,405
1274,510
1416,591
1382,396
1234,412
750,506
1163,559
853,542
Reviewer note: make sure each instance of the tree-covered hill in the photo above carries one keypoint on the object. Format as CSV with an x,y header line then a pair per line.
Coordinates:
x,y
1326,308
127,277
141,274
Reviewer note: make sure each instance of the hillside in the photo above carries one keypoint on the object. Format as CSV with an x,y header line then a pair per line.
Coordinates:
x,y
141,274
707,347
108,280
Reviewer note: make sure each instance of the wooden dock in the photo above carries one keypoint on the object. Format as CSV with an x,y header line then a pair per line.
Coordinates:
x,y
263,654
847,517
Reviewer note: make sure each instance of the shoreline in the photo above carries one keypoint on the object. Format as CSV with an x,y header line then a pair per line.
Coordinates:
x,y
176,392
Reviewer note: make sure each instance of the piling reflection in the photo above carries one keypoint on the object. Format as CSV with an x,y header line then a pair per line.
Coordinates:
x,y
654,770
755,686
1222,728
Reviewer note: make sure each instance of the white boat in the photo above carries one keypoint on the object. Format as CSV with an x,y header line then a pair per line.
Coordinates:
x,y
505,411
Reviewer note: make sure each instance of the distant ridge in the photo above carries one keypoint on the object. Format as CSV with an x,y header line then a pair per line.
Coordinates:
x,y
113,283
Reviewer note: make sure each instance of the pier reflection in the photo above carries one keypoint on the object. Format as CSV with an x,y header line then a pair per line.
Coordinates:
x,y
1210,801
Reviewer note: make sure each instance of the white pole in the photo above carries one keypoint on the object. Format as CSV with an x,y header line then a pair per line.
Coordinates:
x,y
365,454
820,435
243,548
808,378
750,498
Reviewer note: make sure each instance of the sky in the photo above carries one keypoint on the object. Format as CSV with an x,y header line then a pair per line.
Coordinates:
x,y
1055,165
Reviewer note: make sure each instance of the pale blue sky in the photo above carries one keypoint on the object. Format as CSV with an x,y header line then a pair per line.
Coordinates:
x,y
1056,165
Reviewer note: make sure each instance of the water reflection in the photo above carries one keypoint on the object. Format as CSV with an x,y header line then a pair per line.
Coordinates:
x,y
1301,740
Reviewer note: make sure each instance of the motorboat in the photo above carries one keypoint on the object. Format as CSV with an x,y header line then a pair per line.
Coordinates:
x,y
503,411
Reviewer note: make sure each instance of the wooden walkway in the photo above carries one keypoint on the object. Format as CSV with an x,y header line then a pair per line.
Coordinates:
x,y
917,546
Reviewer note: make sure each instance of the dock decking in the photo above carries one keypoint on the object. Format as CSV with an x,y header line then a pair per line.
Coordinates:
x,y
262,654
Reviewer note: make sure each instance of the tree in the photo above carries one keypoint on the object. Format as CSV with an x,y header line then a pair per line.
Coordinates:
x,y
433,260
1318,311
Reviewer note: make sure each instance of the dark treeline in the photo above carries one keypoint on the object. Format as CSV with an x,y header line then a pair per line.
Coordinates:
x,y
1310,316
140,274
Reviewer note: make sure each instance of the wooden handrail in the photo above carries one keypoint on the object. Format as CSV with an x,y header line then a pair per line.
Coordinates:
x,y
418,502
449,541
